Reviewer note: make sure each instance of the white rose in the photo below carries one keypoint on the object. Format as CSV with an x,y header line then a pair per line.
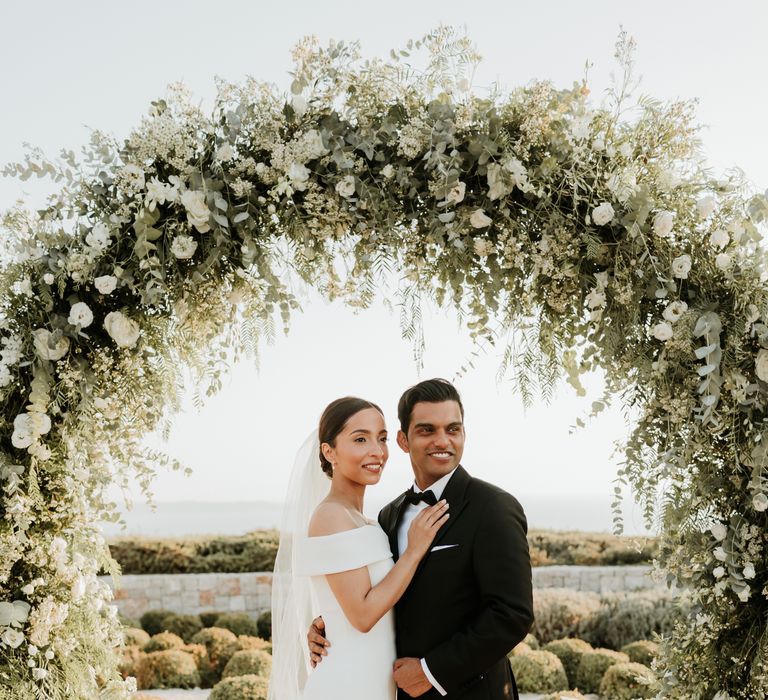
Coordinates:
x,y
662,331
124,331
723,261
662,223
744,594
603,214
480,219
761,365
105,284
346,186
48,278
718,572
681,266
705,206
299,103
314,142
13,638
183,247
760,502
749,570
298,174
80,315
456,194
41,337
668,180
388,171
719,238
5,376
675,310
719,531
14,614
98,237
197,210
225,152
595,299
720,554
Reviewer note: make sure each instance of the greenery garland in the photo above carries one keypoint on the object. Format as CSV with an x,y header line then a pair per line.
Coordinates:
x,y
594,233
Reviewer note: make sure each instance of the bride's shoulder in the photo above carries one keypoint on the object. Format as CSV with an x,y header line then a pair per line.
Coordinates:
x,y
331,518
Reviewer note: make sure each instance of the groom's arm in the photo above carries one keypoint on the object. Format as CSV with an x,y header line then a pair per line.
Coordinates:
x,y
502,569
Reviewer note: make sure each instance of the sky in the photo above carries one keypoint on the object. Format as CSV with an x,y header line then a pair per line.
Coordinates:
x,y
86,64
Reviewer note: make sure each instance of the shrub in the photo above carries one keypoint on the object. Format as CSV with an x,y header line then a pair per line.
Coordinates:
x,y
248,642
589,549
628,681
153,621
531,641
220,645
185,626
172,668
538,672
134,636
128,621
208,674
641,652
564,695
521,648
593,665
560,612
240,688
209,618
163,641
264,623
248,661
129,657
628,617
239,623
569,651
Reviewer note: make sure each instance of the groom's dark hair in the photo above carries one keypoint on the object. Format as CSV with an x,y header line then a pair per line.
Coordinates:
x,y
431,391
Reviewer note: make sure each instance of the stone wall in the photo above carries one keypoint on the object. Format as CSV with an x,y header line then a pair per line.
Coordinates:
x,y
195,593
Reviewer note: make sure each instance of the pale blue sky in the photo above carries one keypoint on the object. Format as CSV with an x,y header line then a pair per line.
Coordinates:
x,y
99,64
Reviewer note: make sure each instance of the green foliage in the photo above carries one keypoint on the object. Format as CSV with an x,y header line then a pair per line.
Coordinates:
x,y
163,641
589,549
172,668
593,665
628,617
129,658
642,651
240,688
248,642
209,618
239,623
538,672
184,625
560,612
133,636
264,623
569,651
220,644
629,681
531,641
248,661
153,621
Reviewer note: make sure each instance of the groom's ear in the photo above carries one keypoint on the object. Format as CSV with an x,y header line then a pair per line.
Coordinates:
x,y
402,441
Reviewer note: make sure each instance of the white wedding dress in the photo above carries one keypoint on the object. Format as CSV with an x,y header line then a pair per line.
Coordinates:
x,y
358,665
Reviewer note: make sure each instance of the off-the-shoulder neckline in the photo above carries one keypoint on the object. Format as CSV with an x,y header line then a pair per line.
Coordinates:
x,y
342,532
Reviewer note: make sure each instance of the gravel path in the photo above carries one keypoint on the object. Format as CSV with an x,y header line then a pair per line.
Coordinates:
x,y
198,694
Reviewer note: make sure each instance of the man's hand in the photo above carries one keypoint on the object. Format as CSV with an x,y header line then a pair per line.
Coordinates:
x,y
317,642
409,676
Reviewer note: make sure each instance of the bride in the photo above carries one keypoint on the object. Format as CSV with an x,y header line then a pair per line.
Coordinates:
x,y
333,561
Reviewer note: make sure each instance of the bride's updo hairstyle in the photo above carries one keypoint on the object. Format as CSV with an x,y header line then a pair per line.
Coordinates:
x,y
333,420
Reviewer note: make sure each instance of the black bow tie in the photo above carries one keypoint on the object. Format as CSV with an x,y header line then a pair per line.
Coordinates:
x,y
414,498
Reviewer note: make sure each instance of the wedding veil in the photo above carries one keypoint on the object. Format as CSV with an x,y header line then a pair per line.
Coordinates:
x,y
292,594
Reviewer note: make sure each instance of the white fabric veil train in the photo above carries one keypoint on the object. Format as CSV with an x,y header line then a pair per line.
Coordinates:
x,y
291,594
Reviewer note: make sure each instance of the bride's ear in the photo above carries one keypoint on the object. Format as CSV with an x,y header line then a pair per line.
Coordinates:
x,y
328,452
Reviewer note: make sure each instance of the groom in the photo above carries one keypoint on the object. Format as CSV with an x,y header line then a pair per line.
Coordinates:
x,y
470,601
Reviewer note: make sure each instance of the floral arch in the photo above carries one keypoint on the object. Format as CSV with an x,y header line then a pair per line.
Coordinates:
x,y
596,230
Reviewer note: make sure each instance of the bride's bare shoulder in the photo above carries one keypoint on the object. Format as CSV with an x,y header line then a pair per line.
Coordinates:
x,y
330,518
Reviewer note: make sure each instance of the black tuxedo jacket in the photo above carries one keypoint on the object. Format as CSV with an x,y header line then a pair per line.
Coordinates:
x,y
469,604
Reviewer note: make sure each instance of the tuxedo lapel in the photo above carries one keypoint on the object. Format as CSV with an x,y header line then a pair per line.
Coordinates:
x,y
455,493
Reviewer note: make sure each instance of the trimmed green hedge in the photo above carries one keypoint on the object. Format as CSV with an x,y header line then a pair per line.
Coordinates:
x,y
255,551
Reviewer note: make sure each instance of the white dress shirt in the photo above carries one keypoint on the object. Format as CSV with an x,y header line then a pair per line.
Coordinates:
x,y
410,512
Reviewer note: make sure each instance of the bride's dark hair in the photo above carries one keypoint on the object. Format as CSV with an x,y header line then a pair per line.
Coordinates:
x,y
333,420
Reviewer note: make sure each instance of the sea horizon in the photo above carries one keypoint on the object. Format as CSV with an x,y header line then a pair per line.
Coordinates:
x,y
184,518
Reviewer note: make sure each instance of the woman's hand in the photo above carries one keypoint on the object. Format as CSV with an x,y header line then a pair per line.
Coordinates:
x,y
425,526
